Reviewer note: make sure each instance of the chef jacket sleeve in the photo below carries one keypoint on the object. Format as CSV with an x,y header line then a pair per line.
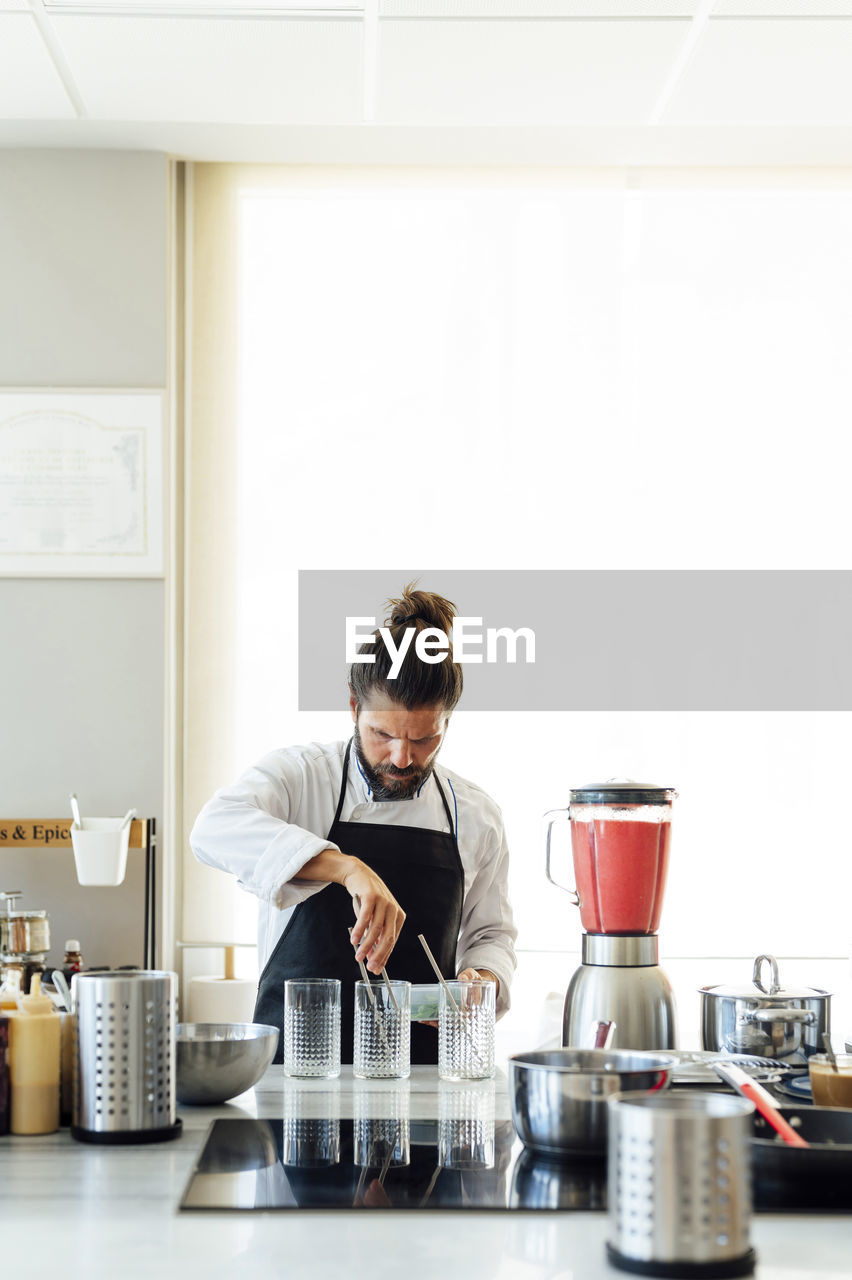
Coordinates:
x,y
488,933
245,829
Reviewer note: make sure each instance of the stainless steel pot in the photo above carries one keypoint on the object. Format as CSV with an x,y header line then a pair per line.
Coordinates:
x,y
558,1096
770,1022
22,933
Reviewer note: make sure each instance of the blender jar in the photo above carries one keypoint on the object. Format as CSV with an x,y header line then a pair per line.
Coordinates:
x,y
620,838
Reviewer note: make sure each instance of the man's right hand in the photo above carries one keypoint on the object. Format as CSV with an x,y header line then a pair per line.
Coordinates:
x,y
379,917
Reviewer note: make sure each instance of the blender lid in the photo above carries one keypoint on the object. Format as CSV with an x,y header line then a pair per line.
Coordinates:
x,y
622,791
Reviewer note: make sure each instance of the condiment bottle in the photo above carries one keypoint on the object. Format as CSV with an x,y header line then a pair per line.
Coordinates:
x,y
72,961
34,1063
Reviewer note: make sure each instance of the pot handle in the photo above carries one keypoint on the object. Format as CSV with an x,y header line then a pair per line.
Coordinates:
x,y
805,1016
774,984
555,815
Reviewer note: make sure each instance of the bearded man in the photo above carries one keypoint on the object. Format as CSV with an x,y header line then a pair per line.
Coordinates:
x,y
355,848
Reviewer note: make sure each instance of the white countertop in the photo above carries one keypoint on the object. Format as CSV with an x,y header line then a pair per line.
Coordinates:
x,y
72,1209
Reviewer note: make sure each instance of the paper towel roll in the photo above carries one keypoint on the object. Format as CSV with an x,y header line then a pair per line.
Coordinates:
x,y
214,999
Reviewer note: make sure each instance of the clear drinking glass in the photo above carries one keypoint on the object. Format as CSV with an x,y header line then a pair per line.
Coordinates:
x,y
312,1027
466,1019
382,1031
831,1084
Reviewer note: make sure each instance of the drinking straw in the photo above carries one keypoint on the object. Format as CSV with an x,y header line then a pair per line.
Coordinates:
x,y
425,945
390,989
379,1023
431,1185
826,1044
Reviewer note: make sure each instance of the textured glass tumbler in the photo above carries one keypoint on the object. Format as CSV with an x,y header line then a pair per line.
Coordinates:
x,y
466,1018
312,1028
382,1031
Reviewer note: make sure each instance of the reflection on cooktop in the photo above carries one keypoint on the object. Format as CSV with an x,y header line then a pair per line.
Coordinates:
x,y
464,1160
382,1163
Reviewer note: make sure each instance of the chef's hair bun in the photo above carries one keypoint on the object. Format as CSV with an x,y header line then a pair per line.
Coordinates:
x,y
422,607
416,683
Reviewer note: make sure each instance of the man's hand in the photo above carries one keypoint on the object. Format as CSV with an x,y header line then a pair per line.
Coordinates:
x,y
473,975
379,917
484,975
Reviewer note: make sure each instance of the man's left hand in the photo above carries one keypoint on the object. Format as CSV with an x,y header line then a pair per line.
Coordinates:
x,y
473,975
484,975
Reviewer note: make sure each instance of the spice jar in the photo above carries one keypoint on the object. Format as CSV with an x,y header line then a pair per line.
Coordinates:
x,y
72,961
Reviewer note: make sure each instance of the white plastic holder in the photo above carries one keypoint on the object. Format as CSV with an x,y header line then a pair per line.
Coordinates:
x,y
100,850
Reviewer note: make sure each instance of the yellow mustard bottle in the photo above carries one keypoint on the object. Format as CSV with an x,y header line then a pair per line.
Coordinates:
x,y
34,1063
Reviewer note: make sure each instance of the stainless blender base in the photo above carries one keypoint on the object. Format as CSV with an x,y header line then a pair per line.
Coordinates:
x,y
637,998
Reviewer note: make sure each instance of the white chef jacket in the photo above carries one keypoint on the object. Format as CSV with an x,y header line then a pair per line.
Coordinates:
x,y
275,817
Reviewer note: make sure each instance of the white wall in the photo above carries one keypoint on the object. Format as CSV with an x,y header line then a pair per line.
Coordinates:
x,y
83,265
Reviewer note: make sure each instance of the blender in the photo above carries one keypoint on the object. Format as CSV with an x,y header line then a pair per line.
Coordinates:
x,y
620,837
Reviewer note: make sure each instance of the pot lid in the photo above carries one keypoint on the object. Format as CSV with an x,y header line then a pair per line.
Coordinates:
x,y
765,986
622,791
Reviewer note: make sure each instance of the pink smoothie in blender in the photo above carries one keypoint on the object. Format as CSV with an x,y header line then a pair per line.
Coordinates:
x,y
621,857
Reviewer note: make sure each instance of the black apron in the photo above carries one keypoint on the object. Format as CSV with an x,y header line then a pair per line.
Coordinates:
x,y
423,871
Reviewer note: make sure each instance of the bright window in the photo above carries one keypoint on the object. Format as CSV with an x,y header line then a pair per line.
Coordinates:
x,y
543,371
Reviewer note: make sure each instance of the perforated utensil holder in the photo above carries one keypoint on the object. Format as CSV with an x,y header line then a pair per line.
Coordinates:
x,y
124,1084
679,1189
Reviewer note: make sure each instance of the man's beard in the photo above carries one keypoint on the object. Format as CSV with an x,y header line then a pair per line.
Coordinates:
x,y
385,781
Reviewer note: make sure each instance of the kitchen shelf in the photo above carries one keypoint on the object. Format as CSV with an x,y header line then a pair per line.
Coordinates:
x,y
55,833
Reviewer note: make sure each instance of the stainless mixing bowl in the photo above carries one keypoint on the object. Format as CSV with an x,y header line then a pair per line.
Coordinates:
x,y
559,1096
218,1060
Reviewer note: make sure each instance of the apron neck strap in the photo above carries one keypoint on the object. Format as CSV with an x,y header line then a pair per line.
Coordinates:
x,y
343,781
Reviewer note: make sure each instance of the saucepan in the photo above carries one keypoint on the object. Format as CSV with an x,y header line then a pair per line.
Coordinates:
x,y
765,1019
558,1096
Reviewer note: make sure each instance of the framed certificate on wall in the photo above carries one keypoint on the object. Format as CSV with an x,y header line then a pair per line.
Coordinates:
x,y
81,483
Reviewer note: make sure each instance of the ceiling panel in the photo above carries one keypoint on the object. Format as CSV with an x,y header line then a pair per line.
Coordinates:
x,y
610,9
237,70
30,88
541,72
125,7
782,9
783,72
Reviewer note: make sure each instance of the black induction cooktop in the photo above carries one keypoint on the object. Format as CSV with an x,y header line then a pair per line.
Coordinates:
x,y
382,1164
474,1163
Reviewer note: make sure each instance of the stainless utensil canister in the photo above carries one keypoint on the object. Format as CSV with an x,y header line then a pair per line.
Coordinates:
x,y
679,1188
124,1087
